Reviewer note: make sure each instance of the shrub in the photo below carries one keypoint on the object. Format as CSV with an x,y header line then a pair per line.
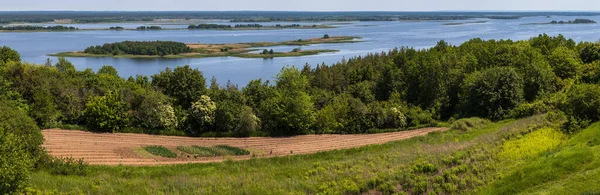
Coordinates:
x,y
66,166
160,151
583,102
326,36
16,122
470,123
15,163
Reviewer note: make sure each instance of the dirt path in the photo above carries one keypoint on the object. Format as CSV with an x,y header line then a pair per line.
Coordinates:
x,y
123,148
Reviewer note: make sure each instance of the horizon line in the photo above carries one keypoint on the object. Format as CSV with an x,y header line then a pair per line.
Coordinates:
x,y
592,11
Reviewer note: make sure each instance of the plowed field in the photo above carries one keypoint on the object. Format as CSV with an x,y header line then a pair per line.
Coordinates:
x,y
124,148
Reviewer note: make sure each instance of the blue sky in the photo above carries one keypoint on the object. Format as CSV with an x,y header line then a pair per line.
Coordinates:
x,y
302,5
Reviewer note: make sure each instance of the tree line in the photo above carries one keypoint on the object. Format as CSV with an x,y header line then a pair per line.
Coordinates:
x,y
50,28
149,28
225,26
160,48
389,91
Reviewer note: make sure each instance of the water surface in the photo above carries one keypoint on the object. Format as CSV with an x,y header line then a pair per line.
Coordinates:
x,y
377,36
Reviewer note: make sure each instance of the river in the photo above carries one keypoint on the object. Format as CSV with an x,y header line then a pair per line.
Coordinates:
x,y
377,36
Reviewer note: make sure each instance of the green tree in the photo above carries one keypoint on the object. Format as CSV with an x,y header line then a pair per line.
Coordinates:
x,y
290,110
151,110
256,92
583,102
492,93
590,52
106,113
184,84
64,65
8,55
248,122
108,70
202,115
565,63
326,36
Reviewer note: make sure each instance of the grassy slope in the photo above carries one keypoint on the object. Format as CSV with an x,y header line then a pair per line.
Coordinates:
x,y
573,168
338,171
450,162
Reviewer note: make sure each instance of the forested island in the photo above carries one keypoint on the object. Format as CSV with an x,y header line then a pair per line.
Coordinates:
x,y
254,26
159,48
37,28
463,23
576,21
169,49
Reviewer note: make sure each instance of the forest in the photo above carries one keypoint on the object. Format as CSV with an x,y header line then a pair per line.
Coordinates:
x,y
403,88
160,48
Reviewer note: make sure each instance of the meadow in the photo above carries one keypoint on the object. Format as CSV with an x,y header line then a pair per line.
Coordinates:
x,y
452,162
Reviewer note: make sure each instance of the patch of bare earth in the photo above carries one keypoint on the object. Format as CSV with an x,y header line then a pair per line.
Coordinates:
x,y
124,148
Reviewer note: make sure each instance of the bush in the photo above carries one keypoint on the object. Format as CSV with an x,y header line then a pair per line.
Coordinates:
x,y
326,36
15,163
66,166
469,124
16,122
160,151
583,102
106,113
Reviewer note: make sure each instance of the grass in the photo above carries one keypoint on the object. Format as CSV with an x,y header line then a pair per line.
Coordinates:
x,y
220,150
235,50
573,168
450,162
160,151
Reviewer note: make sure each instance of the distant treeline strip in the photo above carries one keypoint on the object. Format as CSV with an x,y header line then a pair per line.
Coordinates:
x,y
52,28
224,26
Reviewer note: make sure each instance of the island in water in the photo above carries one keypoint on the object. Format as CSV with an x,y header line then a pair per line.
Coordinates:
x,y
255,26
36,28
463,23
576,21
40,28
170,49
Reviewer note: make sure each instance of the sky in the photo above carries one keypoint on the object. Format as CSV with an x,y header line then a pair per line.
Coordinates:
x,y
302,5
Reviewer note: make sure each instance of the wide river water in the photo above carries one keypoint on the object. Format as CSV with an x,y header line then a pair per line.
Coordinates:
x,y
377,36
